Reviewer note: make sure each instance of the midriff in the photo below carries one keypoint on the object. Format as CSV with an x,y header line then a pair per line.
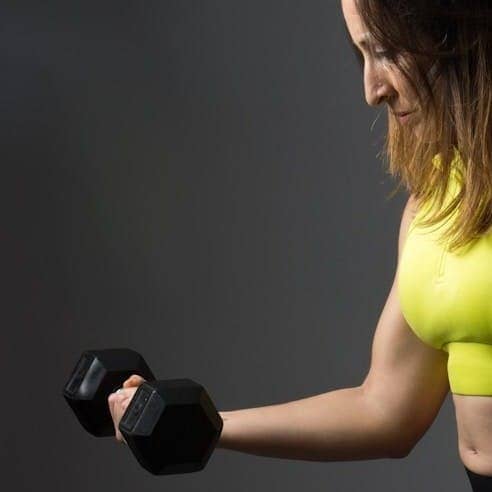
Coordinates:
x,y
474,425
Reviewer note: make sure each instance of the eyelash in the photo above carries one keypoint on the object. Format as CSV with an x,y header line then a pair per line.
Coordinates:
x,y
379,55
382,54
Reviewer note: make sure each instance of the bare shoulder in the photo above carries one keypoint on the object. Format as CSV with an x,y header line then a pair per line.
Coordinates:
x,y
412,205
408,215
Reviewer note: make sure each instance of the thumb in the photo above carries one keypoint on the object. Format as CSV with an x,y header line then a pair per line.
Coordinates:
x,y
133,380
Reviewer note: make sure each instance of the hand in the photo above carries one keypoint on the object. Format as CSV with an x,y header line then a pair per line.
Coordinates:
x,y
118,402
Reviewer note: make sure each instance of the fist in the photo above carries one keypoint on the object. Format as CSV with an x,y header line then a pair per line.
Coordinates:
x,y
118,402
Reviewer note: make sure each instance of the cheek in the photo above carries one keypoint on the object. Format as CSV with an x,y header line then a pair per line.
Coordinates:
x,y
405,90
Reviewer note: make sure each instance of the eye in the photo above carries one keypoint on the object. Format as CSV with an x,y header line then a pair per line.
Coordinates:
x,y
382,54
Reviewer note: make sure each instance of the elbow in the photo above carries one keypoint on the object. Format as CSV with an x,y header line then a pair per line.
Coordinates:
x,y
402,446
399,451
405,441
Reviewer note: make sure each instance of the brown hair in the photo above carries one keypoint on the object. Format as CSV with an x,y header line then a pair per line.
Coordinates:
x,y
444,50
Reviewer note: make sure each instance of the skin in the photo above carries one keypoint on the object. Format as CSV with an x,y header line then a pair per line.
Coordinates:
x,y
118,402
383,83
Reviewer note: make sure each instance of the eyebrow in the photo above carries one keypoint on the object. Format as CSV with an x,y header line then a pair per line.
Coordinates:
x,y
366,40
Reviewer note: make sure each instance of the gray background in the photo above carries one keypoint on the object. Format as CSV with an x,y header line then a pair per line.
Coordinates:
x,y
198,181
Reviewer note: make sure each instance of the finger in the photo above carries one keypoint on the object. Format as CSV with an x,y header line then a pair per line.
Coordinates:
x,y
133,380
116,401
119,437
111,400
136,379
119,410
111,404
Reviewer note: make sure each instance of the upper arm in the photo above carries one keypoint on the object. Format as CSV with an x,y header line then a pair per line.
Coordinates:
x,y
407,379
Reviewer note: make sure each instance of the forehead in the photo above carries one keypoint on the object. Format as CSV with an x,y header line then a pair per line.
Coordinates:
x,y
355,26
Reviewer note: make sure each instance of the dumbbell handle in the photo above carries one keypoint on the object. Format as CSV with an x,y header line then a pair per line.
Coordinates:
x,y
97,374
171,426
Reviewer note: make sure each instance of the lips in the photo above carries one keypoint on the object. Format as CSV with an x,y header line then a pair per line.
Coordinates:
x,y
403,117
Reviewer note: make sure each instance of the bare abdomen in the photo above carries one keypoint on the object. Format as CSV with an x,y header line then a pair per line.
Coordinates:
x,y
474,423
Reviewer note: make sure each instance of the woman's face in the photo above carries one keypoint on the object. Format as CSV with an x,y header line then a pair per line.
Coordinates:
x,y
382,79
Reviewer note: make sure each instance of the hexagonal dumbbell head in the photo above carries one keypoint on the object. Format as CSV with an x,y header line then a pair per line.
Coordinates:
x,y
171,426
97,374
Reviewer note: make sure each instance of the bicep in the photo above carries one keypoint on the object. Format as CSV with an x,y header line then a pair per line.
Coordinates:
x,y
407,380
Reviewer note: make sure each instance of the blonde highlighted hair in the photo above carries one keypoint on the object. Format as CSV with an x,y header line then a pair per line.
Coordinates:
x,y
443,48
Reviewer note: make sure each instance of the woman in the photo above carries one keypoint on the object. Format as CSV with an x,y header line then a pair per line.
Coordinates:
x,y
431,60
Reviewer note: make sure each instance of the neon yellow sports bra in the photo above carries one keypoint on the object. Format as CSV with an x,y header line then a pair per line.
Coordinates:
x,y
446,298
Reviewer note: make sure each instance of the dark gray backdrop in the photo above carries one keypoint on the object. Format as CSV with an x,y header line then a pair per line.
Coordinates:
x,y
198,181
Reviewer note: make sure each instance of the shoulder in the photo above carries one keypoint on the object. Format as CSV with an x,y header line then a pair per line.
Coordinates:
x,y
408,215
411,207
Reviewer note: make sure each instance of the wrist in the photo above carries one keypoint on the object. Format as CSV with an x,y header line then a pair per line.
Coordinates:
x,y
221,443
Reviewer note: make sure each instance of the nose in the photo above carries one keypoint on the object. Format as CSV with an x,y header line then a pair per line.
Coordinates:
x,y
377,87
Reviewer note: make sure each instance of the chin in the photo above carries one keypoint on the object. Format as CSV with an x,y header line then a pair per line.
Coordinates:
x,y
418,131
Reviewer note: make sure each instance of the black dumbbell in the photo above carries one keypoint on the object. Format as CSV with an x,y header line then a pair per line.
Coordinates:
x,y
171,426
99,373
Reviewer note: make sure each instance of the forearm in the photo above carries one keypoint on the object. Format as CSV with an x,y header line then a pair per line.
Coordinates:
x,y
338,425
